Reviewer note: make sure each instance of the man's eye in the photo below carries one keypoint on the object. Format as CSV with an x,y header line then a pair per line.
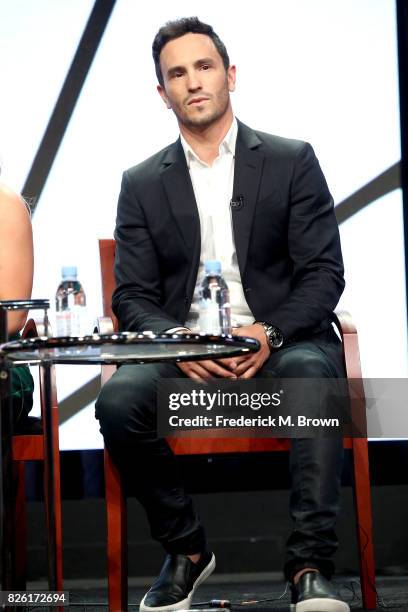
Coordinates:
x,y
205,67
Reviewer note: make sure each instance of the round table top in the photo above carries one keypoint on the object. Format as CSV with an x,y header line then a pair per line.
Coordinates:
x,y
25,304
125,347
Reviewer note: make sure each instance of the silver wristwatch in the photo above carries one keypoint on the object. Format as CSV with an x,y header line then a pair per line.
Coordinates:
x,y
274,335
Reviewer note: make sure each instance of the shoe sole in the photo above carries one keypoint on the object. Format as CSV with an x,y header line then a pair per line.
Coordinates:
x,y
320,604
184,604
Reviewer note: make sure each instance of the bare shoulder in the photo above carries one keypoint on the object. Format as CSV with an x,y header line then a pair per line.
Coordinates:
x,y
12,206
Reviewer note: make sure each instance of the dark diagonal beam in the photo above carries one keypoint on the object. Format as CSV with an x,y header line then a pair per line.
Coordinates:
x,y
384,183
67,100
82,397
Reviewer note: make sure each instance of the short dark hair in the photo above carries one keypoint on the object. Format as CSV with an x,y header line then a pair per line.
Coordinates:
x,y
179,27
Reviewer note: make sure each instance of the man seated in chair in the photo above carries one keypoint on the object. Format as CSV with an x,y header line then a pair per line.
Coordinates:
x,y
282,260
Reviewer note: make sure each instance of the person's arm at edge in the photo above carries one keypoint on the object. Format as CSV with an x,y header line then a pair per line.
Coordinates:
x,y
16,254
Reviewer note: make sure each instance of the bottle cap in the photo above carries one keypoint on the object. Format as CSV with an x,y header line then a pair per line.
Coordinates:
x,y
212,267
69,272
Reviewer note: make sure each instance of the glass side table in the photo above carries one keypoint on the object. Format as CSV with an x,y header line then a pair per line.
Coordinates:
x,y
6,425
116,348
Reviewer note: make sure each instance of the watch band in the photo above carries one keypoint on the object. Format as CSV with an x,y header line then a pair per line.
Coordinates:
x,y
273,334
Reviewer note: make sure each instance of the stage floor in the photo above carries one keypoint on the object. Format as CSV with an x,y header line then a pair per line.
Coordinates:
x,y
91,595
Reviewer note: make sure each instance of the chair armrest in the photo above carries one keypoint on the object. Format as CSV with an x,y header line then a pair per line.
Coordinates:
x,y
349,336
344,322
35,328
104,325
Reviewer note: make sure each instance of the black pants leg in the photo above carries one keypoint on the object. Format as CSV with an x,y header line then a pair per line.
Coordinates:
x,y
315,463
126,409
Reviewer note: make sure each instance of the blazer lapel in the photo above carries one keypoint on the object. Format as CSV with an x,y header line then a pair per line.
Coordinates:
x,y
180,194
247,175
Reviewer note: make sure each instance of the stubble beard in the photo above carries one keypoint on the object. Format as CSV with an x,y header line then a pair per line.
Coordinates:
x,y
206,120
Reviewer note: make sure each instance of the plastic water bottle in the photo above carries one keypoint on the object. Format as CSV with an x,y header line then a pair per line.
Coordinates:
x,y
70,304
215,308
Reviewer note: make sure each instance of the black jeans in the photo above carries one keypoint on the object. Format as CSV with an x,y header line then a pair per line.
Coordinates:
x,y
126,411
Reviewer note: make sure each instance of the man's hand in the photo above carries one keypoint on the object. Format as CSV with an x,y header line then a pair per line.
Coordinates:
x,y
203,370
246,366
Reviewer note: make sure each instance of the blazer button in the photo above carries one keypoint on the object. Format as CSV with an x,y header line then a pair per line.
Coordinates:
x,y
247,289
186,299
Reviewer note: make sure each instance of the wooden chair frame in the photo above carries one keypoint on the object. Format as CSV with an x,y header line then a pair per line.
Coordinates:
x,y
116,502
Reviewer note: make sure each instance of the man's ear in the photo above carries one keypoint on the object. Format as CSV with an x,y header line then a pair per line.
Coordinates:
x,y
163,95
231,76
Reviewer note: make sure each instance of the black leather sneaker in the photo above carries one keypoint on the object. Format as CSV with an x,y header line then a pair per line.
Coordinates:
x,y
174,587
314,593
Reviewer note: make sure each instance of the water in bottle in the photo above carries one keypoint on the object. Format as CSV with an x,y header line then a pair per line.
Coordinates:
x,y
215,308
70,304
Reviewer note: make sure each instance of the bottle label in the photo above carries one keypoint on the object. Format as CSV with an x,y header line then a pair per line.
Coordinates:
x,y
72,322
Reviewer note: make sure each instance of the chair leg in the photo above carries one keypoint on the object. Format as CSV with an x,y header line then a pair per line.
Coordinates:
x,y
116,514
54,528
362,503
20,526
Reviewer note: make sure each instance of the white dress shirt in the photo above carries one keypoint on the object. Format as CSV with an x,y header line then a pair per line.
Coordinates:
x,y
213,187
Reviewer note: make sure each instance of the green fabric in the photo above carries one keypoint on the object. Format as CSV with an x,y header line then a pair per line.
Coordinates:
x,y
21,381
22,387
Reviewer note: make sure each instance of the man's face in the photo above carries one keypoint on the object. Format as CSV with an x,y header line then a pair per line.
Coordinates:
x,y
196,84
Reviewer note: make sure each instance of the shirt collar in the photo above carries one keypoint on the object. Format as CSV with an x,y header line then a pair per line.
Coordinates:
x,y
226,146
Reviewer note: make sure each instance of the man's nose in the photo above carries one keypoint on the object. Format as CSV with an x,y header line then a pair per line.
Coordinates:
x,y
193,81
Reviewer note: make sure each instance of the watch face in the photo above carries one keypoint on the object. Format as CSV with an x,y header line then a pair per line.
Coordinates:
x,y
275,337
